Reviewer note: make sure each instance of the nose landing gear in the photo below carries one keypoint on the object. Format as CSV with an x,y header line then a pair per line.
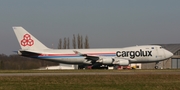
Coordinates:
x,y
156,67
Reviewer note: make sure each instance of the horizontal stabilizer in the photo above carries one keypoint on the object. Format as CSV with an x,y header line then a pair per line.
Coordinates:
x,y
28,53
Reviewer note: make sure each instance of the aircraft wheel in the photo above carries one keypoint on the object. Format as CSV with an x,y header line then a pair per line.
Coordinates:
x,y
156,67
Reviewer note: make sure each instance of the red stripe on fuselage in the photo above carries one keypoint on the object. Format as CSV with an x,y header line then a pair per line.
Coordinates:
x,y
74,54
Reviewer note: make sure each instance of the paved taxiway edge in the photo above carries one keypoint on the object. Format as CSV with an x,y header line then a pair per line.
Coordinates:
x,y
84,73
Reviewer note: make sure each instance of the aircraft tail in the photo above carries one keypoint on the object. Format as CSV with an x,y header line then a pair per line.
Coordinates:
x,y
26,40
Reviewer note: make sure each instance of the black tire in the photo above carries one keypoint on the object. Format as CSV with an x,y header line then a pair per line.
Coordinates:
x,y
156,67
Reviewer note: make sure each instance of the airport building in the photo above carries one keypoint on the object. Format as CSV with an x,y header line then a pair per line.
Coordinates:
x,y
172,63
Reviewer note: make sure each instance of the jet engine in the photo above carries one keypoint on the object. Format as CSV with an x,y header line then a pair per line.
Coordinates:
x,y
121,62
107,60
117,61
87,62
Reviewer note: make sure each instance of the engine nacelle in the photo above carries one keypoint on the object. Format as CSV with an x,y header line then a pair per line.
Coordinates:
x,y
87,62
107,60
121,62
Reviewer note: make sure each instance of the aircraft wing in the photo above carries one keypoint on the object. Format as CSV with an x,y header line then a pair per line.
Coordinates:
x,y
93,58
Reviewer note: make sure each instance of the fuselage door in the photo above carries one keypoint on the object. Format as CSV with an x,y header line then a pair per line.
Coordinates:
x,y
159,53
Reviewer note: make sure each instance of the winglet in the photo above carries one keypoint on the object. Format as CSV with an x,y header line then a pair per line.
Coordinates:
x,y
80,54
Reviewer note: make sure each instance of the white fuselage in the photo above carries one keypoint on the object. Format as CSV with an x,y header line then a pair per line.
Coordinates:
x,y
136,54
32,47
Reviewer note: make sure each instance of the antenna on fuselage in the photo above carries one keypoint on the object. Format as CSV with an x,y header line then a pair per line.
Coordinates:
x,y
52,46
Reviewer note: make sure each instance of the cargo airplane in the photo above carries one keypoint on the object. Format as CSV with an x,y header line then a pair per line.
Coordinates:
x,y
33,48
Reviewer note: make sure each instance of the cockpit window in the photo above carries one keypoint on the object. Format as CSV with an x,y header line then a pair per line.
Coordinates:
x,y
160,47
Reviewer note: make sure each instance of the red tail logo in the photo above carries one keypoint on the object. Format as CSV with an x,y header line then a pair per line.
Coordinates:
x,y
27,41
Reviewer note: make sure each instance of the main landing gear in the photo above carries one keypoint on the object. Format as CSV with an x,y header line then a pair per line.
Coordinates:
x,y
156,65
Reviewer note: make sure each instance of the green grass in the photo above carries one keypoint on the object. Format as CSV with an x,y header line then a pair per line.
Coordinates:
x,y
92,82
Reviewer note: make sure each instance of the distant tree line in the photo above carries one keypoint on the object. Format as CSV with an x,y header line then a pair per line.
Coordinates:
x,y
16,62
80,44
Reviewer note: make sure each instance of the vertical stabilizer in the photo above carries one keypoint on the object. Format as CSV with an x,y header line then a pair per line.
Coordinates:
x,y
26,40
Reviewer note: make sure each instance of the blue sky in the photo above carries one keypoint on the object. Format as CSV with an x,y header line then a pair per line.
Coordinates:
x,y
108,23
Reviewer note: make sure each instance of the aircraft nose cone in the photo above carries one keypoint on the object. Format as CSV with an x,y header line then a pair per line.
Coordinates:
x,y
169,54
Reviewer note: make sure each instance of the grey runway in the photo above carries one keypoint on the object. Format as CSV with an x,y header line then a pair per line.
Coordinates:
x,y
87,73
